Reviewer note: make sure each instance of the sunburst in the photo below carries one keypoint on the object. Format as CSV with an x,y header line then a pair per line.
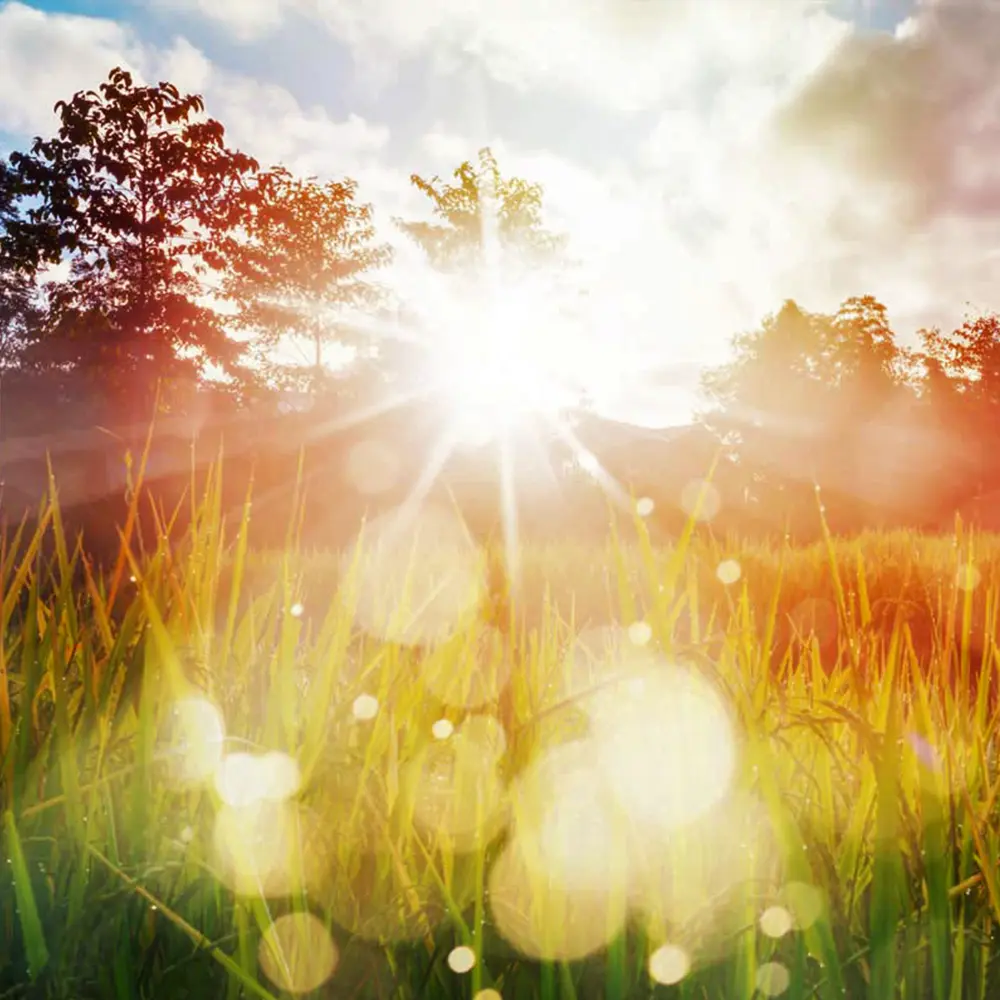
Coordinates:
x,y
504,356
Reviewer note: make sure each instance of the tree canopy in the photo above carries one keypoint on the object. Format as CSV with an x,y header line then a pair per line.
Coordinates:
x,y
130,195
140,254
481,212
298,272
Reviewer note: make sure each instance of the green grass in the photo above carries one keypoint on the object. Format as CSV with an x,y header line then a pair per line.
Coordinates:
x,y
859,674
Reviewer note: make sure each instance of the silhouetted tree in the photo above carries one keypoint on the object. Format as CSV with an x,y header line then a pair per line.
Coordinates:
x,y
799,401
20,310
298,273
970,356
869,364
962,385
791,349
133,191
480,214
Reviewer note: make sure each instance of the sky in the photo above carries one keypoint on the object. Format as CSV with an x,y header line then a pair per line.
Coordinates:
x,y
714,156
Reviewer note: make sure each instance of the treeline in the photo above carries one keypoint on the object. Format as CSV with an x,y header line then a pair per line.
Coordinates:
x,y
142,260
138,251
831,411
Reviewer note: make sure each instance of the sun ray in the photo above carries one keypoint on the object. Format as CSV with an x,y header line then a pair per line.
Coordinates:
x,y
509,512
489,219
543,457
443,449
364,414
592,465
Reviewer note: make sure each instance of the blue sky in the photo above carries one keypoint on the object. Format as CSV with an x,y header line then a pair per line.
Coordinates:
x,y
712,157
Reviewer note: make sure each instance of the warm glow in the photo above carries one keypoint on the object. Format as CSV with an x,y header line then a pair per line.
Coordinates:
x,y
401,901
776,921
297,953
687,883
413,577
665,745
669,964
192,741
503,359
244,779
544,919
269,849
457,791
505,343
462,959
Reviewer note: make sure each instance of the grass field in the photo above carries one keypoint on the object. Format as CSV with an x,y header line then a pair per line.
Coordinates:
x,y
708,771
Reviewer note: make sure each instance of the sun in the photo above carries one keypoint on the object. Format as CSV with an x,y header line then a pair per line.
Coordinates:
x,y
512,371
501,358
493,395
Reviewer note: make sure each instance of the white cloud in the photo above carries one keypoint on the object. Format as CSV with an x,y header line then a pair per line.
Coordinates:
x,y
895,146
267,121
622,54
247,20
45,58
48,57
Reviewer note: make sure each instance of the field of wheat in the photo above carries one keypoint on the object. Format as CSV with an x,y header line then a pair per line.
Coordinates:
x,y
707,770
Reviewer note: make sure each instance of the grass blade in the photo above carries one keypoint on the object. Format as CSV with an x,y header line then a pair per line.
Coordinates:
x,y
31,925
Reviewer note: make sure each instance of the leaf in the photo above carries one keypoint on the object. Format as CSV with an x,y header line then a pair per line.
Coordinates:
x,y
31,925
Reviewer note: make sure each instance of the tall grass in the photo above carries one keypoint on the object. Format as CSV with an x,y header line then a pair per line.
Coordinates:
x,y
860,674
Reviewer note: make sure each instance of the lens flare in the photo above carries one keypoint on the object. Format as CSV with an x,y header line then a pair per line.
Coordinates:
x,y
700,500
270,849
458,791
414,578
514,365
243,779
566,823
297,953
776,922
665,746
192,741
640,633
599,657
442,729
546,921
462,959
804,902
773,979
365,707
669,964
729,572
688,884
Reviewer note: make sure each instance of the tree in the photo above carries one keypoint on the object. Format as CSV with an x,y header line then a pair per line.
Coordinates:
x,y
865,341
962,392
298,270
19,300
800,398
134,191
482,212
970,356
791,349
